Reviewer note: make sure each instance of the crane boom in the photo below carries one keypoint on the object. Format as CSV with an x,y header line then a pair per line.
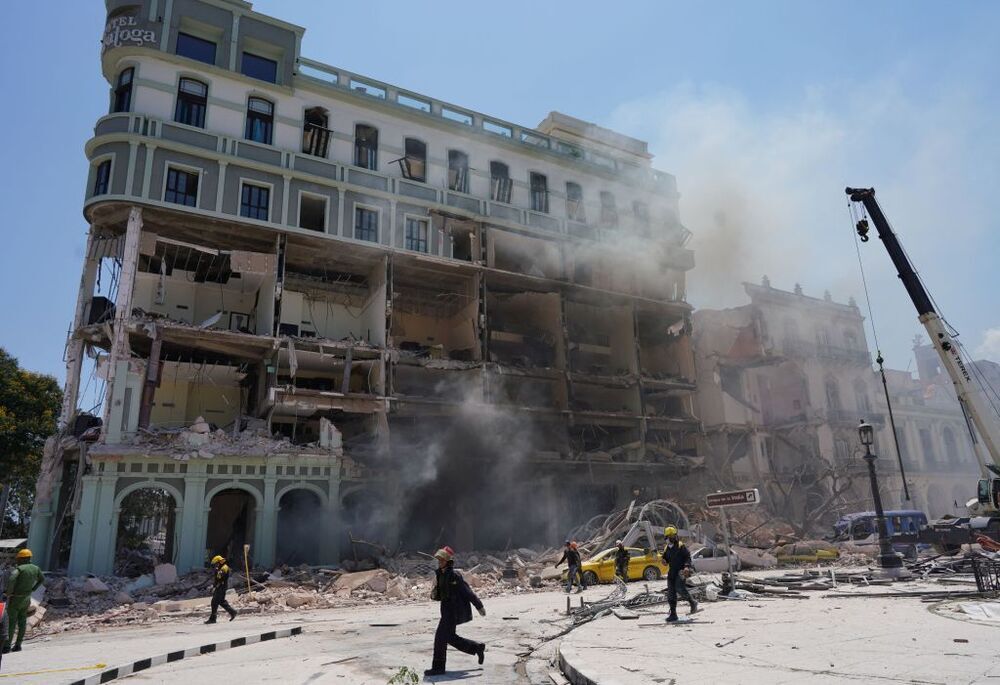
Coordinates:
x,y
941,339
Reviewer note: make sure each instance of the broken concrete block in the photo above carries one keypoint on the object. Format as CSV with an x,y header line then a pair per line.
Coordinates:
x,y
352,581
193,439
200,426
141,583
164,574
378,583
95,585
123,598
35,618
297,600
535,581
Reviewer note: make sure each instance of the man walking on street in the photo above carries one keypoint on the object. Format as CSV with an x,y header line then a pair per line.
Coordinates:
x,y
457,600
678,560
572,557
22,582
621,561
219,587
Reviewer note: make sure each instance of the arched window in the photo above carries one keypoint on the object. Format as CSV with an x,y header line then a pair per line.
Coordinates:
x,y
192,101
414,163
123,91
260,120
316,132
458,171
539,185
833,394
366,146
500,183
574,202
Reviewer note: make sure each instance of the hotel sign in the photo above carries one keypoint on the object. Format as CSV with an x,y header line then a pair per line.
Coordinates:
x,y
124,29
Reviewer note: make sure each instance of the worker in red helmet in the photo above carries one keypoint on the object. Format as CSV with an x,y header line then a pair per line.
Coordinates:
x,y
457,600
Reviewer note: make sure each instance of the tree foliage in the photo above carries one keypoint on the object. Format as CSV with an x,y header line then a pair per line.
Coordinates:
x,y
29,408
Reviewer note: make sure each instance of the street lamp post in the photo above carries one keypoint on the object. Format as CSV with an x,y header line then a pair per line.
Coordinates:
x,y
887,558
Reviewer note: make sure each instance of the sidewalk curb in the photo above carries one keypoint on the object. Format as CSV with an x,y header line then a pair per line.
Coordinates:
x,y
142,664
574,676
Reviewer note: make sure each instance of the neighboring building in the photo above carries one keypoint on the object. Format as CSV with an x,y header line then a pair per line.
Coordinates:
x,y
783,383
941,466
317,299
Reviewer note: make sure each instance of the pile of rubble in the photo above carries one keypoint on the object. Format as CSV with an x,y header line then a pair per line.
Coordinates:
x,y
85,603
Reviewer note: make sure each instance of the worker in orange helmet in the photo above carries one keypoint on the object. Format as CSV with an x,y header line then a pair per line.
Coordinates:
x,y
457,600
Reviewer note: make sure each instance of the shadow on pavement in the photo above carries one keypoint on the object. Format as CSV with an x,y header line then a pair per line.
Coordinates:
x,y
454,675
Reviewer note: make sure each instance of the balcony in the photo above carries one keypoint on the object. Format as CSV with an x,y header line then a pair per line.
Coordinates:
x,y
852,417
843,354
315,140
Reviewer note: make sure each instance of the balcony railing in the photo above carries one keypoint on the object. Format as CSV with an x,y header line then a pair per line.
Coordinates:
x,y
315,140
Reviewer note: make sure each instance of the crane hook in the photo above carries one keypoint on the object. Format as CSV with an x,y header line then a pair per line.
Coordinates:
x,y
862,228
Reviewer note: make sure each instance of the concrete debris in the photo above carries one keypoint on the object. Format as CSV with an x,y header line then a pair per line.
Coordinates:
x,y
94,585
165,574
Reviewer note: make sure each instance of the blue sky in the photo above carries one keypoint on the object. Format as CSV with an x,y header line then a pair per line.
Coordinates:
x,y
764,111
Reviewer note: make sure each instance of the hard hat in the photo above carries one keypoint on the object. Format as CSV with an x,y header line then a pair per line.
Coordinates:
x,y
567,542
217,559
670,532
618,542
446,553
24,553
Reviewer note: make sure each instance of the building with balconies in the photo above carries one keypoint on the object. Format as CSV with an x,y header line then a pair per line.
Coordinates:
x,y
322,307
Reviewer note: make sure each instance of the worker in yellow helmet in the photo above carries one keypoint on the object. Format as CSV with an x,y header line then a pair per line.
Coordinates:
x,y
220,583
22,582
677,557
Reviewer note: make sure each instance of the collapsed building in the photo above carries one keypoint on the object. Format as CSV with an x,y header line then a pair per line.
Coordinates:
x,y
319,306
784,382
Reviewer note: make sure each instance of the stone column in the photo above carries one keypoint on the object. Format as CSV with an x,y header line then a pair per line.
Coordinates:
x,y
102,562
190,551
268,528
74,347
83,527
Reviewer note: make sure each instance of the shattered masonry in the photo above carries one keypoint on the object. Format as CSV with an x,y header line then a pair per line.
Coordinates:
x,y
309,328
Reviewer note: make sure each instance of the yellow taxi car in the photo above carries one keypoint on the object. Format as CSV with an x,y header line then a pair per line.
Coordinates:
x,y
811,552
642,565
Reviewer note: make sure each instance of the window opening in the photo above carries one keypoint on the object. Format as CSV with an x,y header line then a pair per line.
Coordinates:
x,y
316,132
259,67
192,100
182,187
255,201
416,234
500,182
365,224
458,171
260,120
574,202
312,213
195,48
366,147
640,210
413,164
102,177
123,91
609,211
539,193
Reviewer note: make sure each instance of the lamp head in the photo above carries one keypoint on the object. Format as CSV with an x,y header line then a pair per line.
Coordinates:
x,y
866,433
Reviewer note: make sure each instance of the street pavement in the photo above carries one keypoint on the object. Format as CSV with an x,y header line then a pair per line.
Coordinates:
x,y
819,640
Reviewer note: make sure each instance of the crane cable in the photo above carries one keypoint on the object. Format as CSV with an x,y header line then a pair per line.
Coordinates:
x,y
878,349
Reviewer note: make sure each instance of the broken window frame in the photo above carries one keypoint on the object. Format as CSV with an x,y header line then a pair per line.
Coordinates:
x,y
366,221
123,91
366,147
500,182
574,202
413,163
102,178
458,171
303,196
180,193
192,102
539,185
259,126
316,132
416,233
609,210
255,200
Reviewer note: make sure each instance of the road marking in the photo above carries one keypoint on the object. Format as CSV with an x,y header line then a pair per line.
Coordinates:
x,y
53,670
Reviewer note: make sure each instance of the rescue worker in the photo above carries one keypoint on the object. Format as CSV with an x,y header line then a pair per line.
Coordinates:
x,y
22,582
219,587
574,573
677,557
621,561
457,600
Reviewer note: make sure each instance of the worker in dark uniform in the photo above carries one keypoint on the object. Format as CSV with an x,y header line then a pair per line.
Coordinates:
x,y
621,561
457,600
22,582
678,560
575,573
220,583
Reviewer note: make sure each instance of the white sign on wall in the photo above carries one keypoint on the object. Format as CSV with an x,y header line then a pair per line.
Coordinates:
x,y
124,29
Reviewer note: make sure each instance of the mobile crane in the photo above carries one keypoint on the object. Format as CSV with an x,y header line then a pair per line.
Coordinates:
x,y
984,511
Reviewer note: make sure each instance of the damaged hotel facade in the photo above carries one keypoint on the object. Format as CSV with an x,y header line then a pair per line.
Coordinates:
x,y
299,283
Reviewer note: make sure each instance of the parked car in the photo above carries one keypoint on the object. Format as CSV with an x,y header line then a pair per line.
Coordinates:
x,y
712,560
642,565
861,528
